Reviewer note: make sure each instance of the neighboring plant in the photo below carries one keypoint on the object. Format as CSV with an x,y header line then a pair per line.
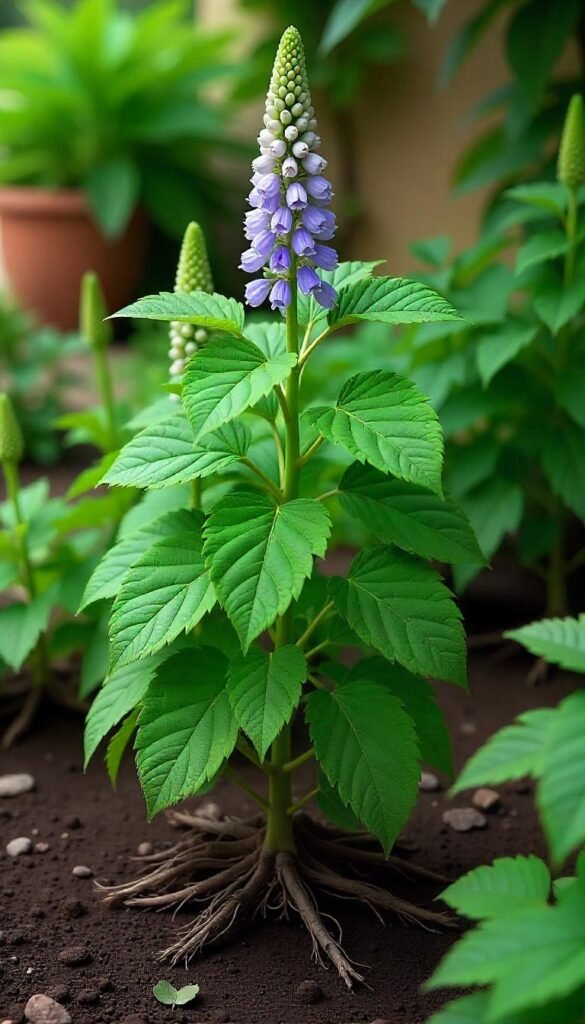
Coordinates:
x,y
527,950
34,373
509,387
527,113
95,97
222,619
168,995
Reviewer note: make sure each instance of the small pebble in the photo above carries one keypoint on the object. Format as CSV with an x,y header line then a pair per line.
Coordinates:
x,y
88,997
309,992
429,783
17,847
144,849
75,956
73,822
15,785
486,799
209,810
42,847
81,871
464,819
74,908
468,728
41,1009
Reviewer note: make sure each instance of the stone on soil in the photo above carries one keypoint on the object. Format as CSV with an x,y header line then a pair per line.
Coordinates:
x,y
144,849
464,819
486,799
40,1009
309,992
17,847
81,871
75,956
429,783
15,785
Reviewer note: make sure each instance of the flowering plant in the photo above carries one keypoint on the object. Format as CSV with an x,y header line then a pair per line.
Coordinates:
x,y
224,628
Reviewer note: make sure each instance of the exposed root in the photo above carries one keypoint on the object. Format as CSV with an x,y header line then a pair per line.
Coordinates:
x,y
24,719
223,865
539,672
21,701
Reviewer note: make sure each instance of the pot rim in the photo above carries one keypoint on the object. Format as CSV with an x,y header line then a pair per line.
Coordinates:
x,y
35,201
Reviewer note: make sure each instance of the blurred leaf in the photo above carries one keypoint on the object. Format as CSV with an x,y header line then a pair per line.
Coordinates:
x,y
432,8
536,38
114,188
344,18
467,38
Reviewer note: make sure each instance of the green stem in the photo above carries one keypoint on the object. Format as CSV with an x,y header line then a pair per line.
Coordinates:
x,y
556,597
279,826
571,230
316,622
106,392
303,801
196,493
291,766
274,490
311,451
239,781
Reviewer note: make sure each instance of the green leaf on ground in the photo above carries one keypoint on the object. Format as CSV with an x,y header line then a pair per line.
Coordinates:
x,y
168,995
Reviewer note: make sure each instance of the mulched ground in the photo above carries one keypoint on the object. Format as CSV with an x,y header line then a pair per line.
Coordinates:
x,y
256,979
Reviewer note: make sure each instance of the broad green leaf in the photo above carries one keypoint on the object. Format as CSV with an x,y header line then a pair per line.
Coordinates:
x,y
419,700
114,189
559,641
344,17
498,349
504,887
90,478
121,693
468,37
342,277
470,464
530,958
334,808
383,419
514,751
259,555
556,303
95,657
561,792
564,466
494,508
215,312
400,607
390,300
408,516
431,8
186,727
264,688
225,378
569,390
166,454
433,251
467,1010
540,248
536,37
108,575
366,744
550,196
118,744
165,593
21,626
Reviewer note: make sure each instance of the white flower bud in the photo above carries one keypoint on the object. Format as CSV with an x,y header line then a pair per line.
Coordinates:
x,y
187,330
265,137
200,335
303,124
290,167
174,398
286,117
274,126
175,352
263,164
297,110
278,148
291,133
190,348
177,368
312,121
300,150
309,138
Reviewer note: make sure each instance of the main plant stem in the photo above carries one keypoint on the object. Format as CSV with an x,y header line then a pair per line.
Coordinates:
x,y
279,824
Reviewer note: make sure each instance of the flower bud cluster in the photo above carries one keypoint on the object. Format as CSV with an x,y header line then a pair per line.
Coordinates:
x,y
289,222
193,274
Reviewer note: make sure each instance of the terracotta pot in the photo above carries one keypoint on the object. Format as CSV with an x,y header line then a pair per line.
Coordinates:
x,y
49,240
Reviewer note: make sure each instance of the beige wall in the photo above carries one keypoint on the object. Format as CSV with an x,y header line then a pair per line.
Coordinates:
x,y
408,134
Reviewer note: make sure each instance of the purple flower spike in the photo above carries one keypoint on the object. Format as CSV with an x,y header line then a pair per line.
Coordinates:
x,y
314,164
263,243
296,196
325,257
257,291
328,230
256,221
325,295
280,260
280,296
281,222
307,280
302,242
268,186
252,261
319,188
314,219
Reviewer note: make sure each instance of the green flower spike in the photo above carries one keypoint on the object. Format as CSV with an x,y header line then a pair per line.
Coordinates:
x,y
93,326
11,441
193,275
571,165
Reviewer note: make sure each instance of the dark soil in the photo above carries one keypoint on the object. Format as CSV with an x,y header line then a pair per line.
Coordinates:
x,y
263,976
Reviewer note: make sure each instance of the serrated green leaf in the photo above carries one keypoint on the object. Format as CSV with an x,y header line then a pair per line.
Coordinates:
x,y
513,752
408,516
559,641
377,778
215,312
342,277
390,300
494,509
564,466
400,607
165,593
498,349
334,808
383,419
540,248
569,390
108,575
507,885
264,688
225,378
117,746
545,195
561,792
260,554
467,1010
186,727
556,303
91,477
419,700
21,626
166,454
119,695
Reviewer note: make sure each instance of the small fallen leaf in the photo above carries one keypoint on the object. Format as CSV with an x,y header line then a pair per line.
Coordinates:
x,y
168,995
